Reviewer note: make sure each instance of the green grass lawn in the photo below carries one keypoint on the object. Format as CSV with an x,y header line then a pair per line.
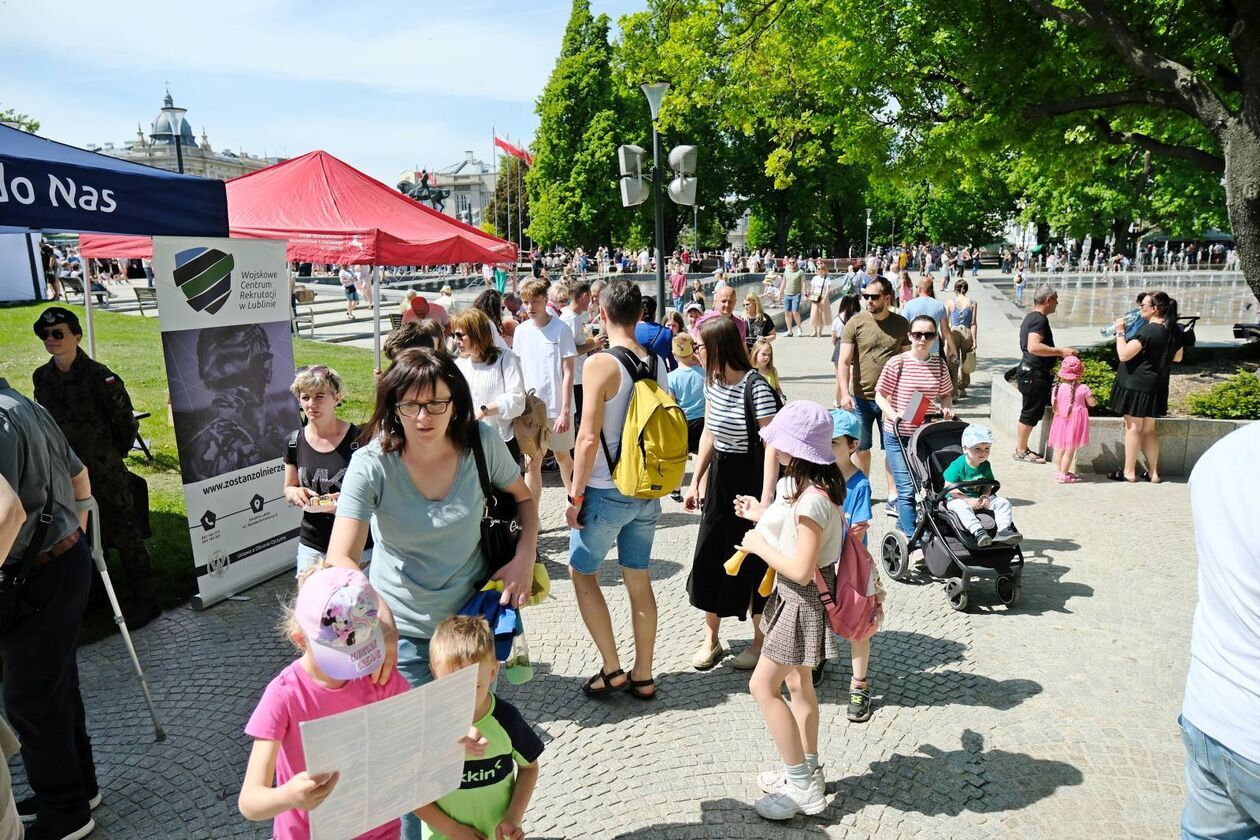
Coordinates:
x,y
131,346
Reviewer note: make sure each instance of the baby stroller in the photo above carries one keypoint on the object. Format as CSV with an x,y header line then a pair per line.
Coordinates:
x,y
949,550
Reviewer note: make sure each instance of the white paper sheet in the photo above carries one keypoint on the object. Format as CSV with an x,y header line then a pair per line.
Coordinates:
x,y
393,756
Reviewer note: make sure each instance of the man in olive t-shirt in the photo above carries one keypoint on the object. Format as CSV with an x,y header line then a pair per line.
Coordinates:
x,y
793,280
868,341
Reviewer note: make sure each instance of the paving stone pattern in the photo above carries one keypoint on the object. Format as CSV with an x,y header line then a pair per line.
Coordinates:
x,y
1054,719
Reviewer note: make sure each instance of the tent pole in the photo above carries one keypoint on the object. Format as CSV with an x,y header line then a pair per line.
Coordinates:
x,y
87,303
376,314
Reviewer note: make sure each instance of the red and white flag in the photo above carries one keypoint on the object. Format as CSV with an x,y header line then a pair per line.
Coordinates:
x,y
514,151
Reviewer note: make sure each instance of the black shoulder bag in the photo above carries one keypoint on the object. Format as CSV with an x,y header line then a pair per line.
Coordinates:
x,y
500,516
750,409
13,581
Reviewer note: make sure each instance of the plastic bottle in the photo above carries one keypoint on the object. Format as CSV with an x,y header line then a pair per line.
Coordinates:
x,y
1130,318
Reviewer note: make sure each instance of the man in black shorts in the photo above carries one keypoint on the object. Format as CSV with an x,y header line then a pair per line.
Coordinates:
x,y
1035,374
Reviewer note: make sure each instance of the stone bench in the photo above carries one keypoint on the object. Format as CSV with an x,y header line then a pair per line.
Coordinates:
x,y
1182,440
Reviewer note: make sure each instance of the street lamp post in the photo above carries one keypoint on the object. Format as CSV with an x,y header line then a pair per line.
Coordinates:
x,y
868,233
655,93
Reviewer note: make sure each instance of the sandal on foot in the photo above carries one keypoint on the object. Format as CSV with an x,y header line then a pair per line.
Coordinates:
x,y
1030,457
589,689
635,688
1118,475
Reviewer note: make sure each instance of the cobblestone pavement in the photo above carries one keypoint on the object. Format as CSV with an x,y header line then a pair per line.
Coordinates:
x,y
1056,718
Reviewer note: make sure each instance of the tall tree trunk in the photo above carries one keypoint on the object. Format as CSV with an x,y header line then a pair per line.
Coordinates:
x,y
782,226
1241,143
1043,233
1119,236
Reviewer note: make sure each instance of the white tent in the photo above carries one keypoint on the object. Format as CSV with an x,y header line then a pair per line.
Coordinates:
x,y
21,269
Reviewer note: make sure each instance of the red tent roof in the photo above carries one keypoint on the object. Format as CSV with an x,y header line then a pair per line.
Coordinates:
x,y
331,212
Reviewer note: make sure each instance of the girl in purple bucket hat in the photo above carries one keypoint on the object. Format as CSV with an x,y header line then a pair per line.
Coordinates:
x,y
800,531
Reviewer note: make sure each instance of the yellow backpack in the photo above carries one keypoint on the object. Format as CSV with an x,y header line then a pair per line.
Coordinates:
x,y
653,451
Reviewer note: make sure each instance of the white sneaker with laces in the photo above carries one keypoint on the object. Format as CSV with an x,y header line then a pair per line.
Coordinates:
x,y
790,800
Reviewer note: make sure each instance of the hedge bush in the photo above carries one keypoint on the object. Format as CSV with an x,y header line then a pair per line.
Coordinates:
x,y
1237,398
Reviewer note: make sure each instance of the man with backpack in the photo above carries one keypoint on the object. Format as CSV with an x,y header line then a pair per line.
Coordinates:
x,y
625,381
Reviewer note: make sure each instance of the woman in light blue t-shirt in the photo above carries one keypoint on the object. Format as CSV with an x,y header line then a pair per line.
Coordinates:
x,y
415,485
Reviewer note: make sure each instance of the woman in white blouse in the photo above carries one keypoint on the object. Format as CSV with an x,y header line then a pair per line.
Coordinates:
x,y
493,374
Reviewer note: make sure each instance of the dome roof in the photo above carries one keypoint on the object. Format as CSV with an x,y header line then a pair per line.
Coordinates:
x,y
170,122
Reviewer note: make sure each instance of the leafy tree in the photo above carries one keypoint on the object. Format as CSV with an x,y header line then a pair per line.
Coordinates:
x,y
510,201
572,184
24,122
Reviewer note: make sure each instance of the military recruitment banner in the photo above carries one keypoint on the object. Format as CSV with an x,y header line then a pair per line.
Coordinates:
x,y
224,307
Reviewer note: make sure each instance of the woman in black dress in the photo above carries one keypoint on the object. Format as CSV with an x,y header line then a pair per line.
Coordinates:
x,y
731,462
1144,361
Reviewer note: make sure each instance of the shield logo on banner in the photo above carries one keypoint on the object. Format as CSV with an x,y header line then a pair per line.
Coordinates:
x,y
204,275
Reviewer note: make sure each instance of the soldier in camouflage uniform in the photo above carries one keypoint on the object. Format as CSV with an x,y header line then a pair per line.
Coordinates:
x,y
92,407
241,427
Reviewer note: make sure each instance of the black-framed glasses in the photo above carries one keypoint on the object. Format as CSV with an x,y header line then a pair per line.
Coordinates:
x,y
56,335
872,297
922,336
697,346
432,407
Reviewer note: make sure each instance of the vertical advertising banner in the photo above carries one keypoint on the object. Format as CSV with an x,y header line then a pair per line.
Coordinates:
x,y
224,308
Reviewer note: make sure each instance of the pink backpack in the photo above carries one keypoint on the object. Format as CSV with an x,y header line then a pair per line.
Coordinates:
x,y
853,609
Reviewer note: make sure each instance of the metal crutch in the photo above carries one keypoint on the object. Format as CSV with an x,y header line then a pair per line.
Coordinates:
x,y
98,557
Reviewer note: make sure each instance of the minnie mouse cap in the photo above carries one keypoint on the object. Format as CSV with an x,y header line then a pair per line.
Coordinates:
x,y
336,609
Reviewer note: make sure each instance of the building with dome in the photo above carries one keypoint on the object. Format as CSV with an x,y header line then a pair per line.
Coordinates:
x,y
171,145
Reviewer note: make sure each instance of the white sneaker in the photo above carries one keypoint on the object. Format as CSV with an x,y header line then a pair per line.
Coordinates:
x,y
772,781
790,800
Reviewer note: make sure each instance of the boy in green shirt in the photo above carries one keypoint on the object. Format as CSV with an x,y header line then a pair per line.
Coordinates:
x,y
497,786
973,465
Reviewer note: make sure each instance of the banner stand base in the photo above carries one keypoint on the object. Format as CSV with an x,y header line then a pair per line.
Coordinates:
x,y
200,602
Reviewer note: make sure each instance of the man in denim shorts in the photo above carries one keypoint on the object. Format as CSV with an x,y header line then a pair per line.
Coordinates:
x,y
599,514
869,340
793,281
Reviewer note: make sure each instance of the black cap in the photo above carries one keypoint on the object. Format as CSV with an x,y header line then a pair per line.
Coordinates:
x,y
54,315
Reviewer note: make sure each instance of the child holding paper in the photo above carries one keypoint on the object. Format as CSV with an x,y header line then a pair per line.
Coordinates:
x,y
333,622
492,799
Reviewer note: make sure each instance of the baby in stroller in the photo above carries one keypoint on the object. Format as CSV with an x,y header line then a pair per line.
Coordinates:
x,y
973,466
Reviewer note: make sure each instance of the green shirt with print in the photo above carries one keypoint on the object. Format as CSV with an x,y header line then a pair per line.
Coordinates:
x,y
960,470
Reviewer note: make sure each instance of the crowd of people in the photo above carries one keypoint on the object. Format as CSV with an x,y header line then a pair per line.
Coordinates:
x,y
475,404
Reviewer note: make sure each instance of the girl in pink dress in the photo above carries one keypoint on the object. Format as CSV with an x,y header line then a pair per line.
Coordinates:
x,y
1070,401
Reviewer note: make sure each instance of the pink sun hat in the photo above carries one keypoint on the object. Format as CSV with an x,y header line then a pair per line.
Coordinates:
x,y
336,609
802,429
1071,368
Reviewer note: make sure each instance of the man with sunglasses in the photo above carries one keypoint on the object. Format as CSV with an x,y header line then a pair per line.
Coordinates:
x,y
868,341
93,409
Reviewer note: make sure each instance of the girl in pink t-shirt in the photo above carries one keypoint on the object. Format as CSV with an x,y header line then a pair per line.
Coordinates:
x,y
335,626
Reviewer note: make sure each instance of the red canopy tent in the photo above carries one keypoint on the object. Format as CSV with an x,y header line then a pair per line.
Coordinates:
x,y
331,212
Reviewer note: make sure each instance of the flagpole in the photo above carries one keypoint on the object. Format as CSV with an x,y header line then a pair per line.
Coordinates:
x,y
520,223
494,168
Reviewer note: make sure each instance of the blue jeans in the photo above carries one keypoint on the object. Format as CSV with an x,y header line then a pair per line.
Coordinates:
x,y
1222,789
901,477
678,304
609,517
870,415
413,664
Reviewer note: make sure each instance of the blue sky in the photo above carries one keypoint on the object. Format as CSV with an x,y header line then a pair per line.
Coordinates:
x,y
383,85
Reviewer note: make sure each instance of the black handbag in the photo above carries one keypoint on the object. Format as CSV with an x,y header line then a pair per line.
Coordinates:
x,y
13,576
140,504
500,517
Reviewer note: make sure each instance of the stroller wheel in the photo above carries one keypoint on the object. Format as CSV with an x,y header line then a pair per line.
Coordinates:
x,y
1008,590
956,592
895,555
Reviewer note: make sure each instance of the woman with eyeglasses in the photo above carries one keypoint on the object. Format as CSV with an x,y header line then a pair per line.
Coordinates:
x,y
915,371
315,461
414,484
493,374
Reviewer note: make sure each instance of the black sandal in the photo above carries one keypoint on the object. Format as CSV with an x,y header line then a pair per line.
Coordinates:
x,y
635,688
1118,475
590,690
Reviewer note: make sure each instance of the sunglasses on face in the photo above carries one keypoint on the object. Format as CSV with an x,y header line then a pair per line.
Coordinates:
x,y
432,407
872,297
318,370
56,335
922,336
458,334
